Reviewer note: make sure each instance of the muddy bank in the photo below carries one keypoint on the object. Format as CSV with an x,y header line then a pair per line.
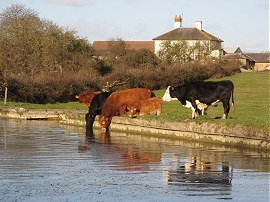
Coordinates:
x,y
207,132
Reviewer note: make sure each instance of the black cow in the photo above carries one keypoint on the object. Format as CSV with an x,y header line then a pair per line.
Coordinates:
x,y
95,108
209,93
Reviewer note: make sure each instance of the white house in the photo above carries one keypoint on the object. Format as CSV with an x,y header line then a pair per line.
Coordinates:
x,y
191,35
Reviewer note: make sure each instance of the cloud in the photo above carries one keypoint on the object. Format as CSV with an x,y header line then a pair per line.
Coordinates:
x,y
70,2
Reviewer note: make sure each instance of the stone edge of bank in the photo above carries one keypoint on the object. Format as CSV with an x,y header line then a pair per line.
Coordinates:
x,y
185,131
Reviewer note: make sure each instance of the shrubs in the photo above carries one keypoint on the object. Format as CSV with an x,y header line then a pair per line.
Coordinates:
x,y
49,89
161,77
53,87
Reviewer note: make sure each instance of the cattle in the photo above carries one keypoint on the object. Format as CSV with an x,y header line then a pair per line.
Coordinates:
x,y
87,97
144,107
201,107
95,108
167,94
207,92
118,102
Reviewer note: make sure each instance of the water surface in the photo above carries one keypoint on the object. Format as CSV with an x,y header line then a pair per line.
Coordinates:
x,y
45,161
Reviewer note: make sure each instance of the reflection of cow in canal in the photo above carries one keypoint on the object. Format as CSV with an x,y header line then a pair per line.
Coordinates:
x,y
122,155
196,171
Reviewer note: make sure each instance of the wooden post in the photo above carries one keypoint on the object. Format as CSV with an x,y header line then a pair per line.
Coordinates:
x,y
5,101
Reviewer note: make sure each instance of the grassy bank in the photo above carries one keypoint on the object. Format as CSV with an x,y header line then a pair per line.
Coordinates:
x,y
251,97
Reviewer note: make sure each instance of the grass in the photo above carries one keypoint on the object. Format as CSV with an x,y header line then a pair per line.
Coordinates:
x,y
69,105
251,96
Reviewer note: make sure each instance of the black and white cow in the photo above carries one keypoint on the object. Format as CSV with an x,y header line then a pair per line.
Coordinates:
x,y
95,108
207,92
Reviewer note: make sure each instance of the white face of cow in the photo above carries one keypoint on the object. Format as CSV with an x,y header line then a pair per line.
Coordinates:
x,y
167,97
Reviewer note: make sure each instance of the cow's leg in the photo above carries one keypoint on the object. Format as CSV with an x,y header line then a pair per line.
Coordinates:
x,y
194,110
103,123
89,130
89,123
203,111
194,113
87,120
226,106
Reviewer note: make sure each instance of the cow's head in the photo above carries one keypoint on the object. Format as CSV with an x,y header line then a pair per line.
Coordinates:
x,y
86,97
133,111
104,123
168,95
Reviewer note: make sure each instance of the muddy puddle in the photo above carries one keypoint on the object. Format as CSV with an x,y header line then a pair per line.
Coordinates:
x,y
45,161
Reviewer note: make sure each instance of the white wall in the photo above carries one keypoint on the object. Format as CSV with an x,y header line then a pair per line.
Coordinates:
x,y
215,53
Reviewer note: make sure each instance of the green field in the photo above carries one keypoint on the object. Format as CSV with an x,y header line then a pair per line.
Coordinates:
x,y
251,96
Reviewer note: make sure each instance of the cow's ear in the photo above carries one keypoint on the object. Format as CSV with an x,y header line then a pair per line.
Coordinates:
x,y
172,88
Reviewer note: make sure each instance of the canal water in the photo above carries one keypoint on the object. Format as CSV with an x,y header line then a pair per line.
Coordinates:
x,y
46,161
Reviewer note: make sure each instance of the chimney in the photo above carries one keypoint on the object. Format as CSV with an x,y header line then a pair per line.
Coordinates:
x,y
199,25
177,21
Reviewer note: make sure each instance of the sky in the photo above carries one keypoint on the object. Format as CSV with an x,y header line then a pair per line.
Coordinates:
x,y
239,23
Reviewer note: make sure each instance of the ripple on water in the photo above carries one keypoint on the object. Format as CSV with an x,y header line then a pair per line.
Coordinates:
x,y
46,161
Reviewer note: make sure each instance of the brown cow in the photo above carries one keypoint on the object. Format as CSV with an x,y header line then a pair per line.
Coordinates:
x,y
145,107
87,97
118,102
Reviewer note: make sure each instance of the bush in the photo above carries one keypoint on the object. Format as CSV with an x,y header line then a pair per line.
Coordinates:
x,y
161,77
54,87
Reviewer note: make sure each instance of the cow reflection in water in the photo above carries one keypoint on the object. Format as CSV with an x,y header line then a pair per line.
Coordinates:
x,y
123,155
196,171
104,138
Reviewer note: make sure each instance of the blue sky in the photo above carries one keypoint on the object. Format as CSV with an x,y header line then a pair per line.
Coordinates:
x,y
243,23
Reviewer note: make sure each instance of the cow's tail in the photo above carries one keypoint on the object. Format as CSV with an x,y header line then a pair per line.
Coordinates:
x,y
233,105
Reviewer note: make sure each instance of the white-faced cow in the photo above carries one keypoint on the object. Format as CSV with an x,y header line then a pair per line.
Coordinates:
x,y
207,92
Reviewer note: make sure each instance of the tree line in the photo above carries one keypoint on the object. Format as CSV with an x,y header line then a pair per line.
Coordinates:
x,y
41,62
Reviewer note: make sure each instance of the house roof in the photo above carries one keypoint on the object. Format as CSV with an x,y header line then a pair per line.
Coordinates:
x,y
103,46
187,34
238,56
260,57
232,50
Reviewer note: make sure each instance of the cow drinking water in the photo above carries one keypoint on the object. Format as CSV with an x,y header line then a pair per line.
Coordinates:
x,y
207,92
118,102
95,108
